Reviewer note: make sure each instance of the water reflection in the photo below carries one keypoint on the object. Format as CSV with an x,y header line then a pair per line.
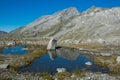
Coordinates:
x,y
69,59
64,53
52,54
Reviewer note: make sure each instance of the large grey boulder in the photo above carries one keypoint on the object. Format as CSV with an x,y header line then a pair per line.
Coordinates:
x,y
4,66
52,44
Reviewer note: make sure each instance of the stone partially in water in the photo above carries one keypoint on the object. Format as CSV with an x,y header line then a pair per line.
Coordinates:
x,y
61,70
88,63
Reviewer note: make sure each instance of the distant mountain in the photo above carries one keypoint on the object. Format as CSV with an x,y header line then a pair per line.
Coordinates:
x,y
94,24
2,33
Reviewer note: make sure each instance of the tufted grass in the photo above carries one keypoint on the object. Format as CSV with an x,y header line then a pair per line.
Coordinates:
x,y
62,75
45,76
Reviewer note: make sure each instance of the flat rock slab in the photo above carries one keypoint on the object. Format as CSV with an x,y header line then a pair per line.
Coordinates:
x,y
4,66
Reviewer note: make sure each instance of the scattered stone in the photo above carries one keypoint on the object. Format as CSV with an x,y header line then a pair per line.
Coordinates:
x,y
4,66
80,49
105,54
61,70
118,59
88,63
25,49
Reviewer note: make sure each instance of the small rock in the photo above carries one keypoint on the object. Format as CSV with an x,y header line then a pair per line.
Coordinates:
x,y
106,54
61,70
88,63
80,49
118,59
24,49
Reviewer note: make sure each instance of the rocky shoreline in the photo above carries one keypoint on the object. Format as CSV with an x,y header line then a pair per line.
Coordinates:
x,y
8,74
18,61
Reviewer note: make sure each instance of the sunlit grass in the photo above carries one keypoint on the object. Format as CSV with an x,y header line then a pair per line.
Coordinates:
x,y
45,76
62,75
109,62
79,73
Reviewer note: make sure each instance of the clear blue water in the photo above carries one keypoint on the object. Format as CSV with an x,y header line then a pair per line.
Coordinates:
x,y
55,59
16,50
46,64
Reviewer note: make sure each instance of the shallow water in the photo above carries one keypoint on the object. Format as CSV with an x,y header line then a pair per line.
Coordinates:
x,y
16,50
61,59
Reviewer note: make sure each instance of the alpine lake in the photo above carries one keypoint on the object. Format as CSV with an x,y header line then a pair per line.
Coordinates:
x,y
65,58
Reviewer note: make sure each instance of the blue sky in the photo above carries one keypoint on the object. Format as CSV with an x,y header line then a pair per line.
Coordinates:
x,y
16,13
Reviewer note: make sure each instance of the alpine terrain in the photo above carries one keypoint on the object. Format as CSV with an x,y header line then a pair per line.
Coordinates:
x,y
70,25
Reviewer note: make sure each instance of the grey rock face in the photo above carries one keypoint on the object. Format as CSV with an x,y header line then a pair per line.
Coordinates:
x,y
95,24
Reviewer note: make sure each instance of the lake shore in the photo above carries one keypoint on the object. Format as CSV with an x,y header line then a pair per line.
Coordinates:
x,y
75,75
24,60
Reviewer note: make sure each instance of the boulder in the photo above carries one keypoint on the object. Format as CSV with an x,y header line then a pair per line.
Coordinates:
x,y
52,44
4,66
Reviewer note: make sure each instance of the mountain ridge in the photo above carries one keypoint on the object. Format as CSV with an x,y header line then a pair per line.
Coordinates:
x,y
2,33
94,24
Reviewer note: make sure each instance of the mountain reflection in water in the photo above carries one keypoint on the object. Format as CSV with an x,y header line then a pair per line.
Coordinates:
x,y
64,53
61,58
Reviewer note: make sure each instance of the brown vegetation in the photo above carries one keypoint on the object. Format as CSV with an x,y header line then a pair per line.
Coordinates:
x,y
109,62
62,75
26,59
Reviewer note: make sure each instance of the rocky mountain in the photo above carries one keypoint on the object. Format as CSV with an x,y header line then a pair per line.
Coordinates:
x,y
2,33
70,25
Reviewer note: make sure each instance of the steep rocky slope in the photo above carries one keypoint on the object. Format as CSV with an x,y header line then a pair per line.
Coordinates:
x,y
2,33
94,24
47,25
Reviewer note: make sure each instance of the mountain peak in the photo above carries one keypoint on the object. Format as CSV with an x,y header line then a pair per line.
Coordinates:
x,y
72,10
